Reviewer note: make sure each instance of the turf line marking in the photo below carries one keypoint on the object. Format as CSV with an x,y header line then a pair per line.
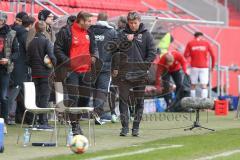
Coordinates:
x,y
135,152
224,154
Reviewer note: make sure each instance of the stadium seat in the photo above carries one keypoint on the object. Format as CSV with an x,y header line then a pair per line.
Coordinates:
x,y
59,93
30,105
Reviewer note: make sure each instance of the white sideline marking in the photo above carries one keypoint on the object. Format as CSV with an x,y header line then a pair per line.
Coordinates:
x,y
224,154
134,152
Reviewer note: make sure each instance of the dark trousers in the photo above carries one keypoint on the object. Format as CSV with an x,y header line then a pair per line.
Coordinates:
x,y
78,90
112,98
124,104
42,97
177,77
12,95
4,84
101,92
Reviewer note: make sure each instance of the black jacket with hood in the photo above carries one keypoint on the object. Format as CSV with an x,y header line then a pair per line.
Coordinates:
x,y
20,71
142,50
103,34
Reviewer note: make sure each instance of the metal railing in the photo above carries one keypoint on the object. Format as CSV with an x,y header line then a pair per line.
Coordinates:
x,y
40,3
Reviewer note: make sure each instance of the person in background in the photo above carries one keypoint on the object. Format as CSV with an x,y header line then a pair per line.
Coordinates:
x,y
71,19
198,51
121,24
103,34
18,20
38,49
20,72
46,16
8,54
171,64
164,43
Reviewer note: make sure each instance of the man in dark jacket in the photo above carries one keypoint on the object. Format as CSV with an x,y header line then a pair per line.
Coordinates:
x,y
76,49
142,50
20,71
37,50
8,53
18,20
103,33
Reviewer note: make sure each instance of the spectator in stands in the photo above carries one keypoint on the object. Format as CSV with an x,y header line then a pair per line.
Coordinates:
x,y
198,51
171,64
18,19
103,34
75,46
38,49
8,53
142,50
47,17
20,71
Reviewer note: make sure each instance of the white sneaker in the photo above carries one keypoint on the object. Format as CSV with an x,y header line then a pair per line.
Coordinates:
x,y
114,118
5,129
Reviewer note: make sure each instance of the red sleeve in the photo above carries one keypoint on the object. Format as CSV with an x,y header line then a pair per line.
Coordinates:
x,y
212,55
182,61
160,70
187,51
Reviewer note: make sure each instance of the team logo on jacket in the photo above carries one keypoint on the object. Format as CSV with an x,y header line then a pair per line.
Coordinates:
x,y
87,37
75,40
99,37
139,38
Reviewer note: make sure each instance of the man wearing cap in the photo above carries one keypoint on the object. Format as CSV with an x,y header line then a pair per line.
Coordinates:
x,y
47,17
8,53
18,19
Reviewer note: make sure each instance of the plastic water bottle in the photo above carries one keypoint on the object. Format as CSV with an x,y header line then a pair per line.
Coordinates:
x,y
69,137
26,138
1,135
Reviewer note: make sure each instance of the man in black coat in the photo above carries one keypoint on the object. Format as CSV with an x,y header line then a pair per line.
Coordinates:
x,y
37,50
20,72
133,64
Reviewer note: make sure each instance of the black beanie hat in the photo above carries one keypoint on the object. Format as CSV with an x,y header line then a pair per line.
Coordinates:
x,y
43,14
20,15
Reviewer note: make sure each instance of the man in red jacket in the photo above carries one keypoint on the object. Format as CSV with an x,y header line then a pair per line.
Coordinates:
x,y
198,51
76,46
170,64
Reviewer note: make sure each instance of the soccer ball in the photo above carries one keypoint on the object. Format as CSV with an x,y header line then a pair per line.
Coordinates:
x,y
79,144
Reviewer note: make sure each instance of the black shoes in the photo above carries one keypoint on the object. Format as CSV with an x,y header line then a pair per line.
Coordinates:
x,y
76,129
135,132
124,132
